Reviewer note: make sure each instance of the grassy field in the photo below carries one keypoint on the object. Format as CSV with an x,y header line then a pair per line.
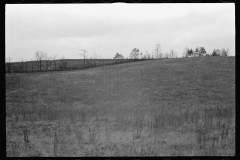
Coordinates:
x,y
166,107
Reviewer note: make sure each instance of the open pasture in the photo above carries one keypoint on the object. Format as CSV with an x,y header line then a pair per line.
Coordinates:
x,y
165,107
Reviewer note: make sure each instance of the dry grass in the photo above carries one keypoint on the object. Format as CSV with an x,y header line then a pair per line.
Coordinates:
x,y
168,107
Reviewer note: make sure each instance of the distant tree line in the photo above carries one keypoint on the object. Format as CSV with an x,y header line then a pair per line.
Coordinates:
x,y
156,53
201,52
222,52
43,62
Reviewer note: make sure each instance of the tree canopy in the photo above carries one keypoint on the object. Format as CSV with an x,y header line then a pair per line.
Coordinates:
x,y
134,54
118,56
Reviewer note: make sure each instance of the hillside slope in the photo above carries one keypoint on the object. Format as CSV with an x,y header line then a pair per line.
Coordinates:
x,y
158,96
197,81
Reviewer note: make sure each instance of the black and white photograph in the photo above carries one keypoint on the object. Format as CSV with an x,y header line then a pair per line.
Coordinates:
x,y
120,79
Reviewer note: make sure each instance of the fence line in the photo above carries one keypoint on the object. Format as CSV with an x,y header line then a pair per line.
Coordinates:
x,y
62,65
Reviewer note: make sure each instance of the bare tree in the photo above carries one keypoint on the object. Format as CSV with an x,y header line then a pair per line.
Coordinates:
x,y
157,50
147,55
141,55
40,56
134,54
152,57
173,53
224,52
118,56
84,51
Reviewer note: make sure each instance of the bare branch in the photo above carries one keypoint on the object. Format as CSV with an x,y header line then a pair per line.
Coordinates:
x,y
84,52
40,56
84,55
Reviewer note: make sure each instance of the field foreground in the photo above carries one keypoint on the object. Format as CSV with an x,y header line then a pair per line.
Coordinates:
x,y
166,107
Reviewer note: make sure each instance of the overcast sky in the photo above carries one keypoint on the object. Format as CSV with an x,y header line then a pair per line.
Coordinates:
x,y
104,29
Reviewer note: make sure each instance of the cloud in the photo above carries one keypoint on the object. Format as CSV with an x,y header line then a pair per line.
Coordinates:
x,y
107,29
